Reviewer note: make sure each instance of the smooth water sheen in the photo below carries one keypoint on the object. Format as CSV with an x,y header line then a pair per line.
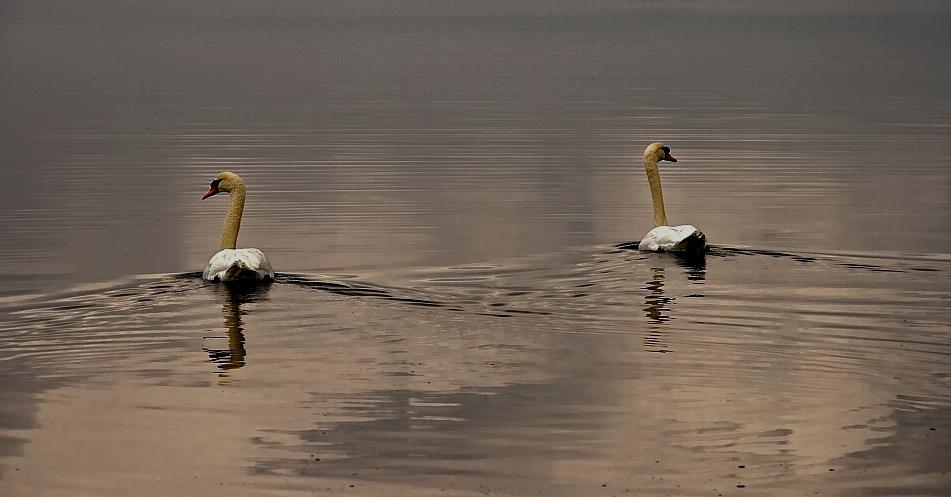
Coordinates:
x,y
451,196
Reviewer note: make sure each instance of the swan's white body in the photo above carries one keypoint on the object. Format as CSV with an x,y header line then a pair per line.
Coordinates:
x,y
683,238
664,238
231,263
247,264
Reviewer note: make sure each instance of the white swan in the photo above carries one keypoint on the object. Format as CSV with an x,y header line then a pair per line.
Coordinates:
x,y
230,263
664,238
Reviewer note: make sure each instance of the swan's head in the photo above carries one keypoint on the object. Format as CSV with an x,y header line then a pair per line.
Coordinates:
x,y
224,182
658,152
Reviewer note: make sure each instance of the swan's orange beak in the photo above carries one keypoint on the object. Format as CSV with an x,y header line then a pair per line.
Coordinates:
x,y
211,191
667,157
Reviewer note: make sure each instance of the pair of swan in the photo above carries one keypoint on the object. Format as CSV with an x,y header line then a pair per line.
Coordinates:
x,y
250,264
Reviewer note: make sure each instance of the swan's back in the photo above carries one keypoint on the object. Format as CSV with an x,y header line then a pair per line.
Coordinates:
x,y
683,238
247,264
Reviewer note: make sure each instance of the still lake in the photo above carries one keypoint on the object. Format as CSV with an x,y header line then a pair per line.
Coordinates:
x,y
449,202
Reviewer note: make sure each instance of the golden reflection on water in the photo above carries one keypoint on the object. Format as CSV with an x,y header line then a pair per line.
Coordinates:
x,y
234,295
657,304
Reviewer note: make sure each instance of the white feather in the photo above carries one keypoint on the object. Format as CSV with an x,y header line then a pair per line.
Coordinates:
x,y
683,238
238,264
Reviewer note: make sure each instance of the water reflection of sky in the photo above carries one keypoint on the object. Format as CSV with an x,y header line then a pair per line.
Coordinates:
x,y
346,383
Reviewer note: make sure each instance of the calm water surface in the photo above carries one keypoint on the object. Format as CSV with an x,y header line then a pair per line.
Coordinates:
x,y
450,204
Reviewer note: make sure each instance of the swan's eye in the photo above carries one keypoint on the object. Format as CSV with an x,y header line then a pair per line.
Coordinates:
x,y
665,149
214,183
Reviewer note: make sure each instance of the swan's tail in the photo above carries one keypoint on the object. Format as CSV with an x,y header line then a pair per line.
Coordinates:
x,y
695,243
239,271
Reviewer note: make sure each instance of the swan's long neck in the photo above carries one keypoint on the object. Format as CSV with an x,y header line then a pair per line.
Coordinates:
x,y
653,177
229,236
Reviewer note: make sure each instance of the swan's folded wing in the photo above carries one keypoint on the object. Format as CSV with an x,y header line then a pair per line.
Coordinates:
x,y
263,264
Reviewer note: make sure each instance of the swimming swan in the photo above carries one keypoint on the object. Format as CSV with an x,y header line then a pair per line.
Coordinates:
x,y
664,238
230,263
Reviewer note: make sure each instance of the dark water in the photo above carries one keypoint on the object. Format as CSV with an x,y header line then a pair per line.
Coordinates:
x,y
448,194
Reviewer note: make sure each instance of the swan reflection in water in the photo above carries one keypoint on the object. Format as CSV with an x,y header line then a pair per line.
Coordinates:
x,y
229,352
657,302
